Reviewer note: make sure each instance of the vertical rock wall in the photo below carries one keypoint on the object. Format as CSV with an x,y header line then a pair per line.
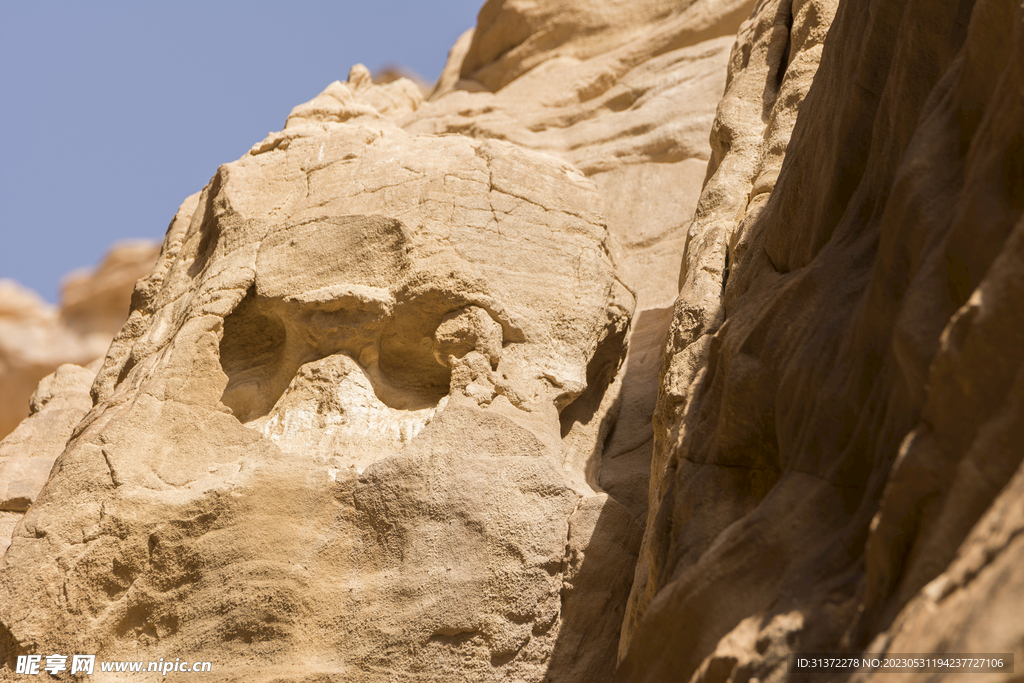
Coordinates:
x,y
841,409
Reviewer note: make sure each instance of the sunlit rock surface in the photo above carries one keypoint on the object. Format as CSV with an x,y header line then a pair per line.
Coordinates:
x,y
328,439
657,342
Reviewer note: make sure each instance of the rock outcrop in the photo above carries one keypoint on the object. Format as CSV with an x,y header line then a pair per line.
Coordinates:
x,y
417,390
27,454
840,418
624,91
328,439
36,338
629,101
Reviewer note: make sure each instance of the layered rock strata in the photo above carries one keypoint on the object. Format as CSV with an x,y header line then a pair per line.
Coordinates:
x,y
624,91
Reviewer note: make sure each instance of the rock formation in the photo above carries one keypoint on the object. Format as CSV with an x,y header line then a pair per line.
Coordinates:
x,y
27,454
343,379
840,417
406,396
35,338
624,91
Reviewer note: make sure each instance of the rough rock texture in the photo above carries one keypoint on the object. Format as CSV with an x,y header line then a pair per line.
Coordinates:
x,y
840,418
327,441
27,453
626,91
373,417
634,117
35,338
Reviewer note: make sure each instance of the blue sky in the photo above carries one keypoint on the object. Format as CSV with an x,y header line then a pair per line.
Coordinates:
x,y
114,112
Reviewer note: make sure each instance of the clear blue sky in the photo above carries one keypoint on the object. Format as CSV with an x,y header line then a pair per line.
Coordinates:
x,y
114,112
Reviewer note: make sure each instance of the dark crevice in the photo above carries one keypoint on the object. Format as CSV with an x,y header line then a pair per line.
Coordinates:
x,y
777,57
209,229
601,370
129,363
251,355
780,72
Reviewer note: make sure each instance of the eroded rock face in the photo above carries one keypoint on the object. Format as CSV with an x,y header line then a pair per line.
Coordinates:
x,y
328,439
27,454
626,91
635,122
372,417
841,410
629,100
36,338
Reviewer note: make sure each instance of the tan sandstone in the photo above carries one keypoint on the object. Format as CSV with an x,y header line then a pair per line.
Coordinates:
x,y
418,391
27,454
840,417
328,439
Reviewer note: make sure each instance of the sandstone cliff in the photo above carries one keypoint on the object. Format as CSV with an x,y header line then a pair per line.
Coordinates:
x,y
406,396
41,351
840,414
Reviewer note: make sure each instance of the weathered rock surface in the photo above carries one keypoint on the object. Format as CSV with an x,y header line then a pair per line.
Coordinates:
x,y
26,455
35,338
637,125
327,441
840,419
384,411
629,101
624,91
